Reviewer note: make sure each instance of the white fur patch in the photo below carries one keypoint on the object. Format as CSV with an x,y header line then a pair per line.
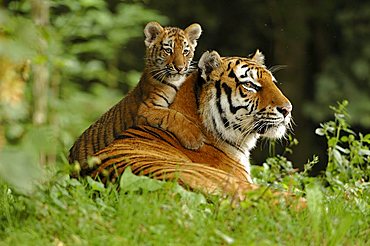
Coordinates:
x,y
275,132
245,74
177,80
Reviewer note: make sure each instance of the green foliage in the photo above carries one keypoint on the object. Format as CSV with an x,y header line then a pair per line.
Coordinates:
x,y
93,37
146,211
81,48
347,171
348,153
132,183
279,172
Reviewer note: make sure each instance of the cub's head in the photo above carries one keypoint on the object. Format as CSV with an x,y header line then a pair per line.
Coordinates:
x,y
240,100
170,50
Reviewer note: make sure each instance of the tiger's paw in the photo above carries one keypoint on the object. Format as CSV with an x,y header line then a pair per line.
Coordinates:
x,y
192,138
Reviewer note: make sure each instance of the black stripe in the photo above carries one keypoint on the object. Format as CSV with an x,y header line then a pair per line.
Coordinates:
x,y
116,117
197,88
146,103
84,144
233,144
242,92
232,74
168,116
256,103
131,134
170,85
112,157
229,66
170,135
106,143
228,91
163,97
93,129
112,124
140,170
123,136
158,105
160,124
101,136
218,103
236,127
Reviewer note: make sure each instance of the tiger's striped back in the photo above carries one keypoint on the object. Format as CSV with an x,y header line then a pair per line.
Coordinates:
x,y
168,62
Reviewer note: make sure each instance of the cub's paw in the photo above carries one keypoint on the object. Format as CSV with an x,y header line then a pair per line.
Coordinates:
x,y
190,137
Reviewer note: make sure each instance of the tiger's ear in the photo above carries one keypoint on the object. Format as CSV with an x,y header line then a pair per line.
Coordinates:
x,y
208,62
151,31
259,57
193,32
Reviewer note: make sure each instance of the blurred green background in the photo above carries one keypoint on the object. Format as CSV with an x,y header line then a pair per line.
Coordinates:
x,y
65,62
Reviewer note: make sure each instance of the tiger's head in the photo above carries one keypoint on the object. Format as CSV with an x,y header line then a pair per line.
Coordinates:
x,y
241,101
170,50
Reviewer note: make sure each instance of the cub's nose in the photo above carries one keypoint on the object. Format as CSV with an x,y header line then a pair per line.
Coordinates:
x,y
285,109
179,68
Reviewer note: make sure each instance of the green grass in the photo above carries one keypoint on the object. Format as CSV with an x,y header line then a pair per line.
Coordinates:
x,y
142,211
147,212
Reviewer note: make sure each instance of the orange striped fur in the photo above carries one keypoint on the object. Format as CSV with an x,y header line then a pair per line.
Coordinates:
x,y
229,96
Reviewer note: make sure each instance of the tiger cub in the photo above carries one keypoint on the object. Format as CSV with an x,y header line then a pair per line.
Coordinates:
x,y
168,61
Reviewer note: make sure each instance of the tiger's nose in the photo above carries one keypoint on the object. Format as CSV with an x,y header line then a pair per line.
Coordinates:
x,y
285,109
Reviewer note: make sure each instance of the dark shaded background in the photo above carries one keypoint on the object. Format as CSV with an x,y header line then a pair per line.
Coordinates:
x,y
308,37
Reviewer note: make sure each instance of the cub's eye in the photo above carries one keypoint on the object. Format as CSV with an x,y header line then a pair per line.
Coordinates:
x,y
168,50
186,52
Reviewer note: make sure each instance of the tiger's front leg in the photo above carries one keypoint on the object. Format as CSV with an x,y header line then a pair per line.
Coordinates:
x,y
188,133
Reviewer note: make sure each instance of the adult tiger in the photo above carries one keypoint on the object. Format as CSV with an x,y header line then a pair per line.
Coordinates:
x,y
169,55
234,101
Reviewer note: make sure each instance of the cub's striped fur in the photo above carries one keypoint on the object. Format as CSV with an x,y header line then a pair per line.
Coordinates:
x,y
169,55
235,101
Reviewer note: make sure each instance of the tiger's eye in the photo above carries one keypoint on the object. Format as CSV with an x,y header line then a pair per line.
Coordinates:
x,y
250,86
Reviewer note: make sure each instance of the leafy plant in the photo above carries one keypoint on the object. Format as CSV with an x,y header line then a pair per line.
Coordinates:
x,y
347,170
280,172
348,153
82,48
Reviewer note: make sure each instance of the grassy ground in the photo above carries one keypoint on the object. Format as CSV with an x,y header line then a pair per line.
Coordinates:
x,y
65,211
147,212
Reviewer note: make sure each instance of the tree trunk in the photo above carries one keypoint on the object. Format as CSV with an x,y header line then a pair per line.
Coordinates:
x,y
40,15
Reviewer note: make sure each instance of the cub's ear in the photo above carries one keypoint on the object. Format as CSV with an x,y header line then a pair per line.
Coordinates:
x,y
193,32
151,31
259,57
208,62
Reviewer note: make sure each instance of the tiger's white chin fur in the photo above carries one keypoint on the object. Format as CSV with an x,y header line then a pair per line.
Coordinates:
x,y
275,132
279,130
